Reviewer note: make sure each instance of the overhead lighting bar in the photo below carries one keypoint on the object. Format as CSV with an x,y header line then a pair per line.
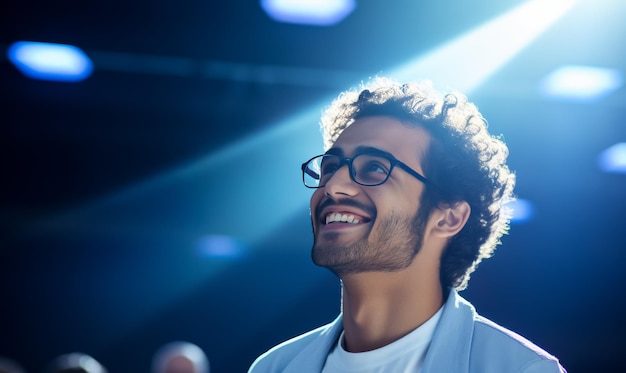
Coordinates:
x,y
48,61
308,12
582,83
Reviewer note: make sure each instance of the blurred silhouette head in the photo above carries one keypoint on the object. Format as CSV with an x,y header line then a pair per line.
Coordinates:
x,y
180,357
10,366
76,362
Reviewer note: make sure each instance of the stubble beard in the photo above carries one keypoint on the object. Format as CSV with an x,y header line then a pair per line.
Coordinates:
x,y
392,248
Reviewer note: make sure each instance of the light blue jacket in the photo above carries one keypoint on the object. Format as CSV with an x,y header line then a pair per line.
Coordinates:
x,y
463,342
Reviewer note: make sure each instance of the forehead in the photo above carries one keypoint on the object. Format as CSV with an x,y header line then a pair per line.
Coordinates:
x,y
407,143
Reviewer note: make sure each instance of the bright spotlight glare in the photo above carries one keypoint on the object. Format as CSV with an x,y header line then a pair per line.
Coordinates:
x,y
613,159
308,12
582,83
466,62
522,209
48,61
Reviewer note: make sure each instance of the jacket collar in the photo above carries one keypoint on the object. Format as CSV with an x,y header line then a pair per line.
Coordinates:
x,y
452,337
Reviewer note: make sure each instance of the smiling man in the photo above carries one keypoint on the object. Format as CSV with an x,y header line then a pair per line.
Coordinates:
x,y
408,200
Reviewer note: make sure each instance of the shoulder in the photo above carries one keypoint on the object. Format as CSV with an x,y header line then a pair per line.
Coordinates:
x,y
279,356
482,345
309,348
497,345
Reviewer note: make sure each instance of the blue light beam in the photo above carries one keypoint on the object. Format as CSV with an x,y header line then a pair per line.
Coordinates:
x,y
467,61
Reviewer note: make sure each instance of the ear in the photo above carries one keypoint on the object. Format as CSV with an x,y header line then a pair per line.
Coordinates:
x,y
450,219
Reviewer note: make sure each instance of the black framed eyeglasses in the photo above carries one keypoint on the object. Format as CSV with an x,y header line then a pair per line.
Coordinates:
x,y
365,169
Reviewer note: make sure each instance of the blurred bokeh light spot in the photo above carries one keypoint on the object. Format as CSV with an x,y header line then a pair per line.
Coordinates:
x,y
613,159
48,61
221,247
308,12
522,209
582,83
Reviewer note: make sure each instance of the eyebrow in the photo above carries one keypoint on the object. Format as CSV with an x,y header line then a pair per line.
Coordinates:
x,y
362,150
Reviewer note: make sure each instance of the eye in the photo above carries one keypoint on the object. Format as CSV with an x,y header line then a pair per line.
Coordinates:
x,y
374,166
329,166
371,170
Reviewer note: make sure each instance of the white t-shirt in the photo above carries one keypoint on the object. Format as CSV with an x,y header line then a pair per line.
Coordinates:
x,y
407,354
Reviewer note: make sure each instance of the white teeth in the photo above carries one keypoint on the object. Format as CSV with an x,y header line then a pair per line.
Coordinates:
x,y
345,218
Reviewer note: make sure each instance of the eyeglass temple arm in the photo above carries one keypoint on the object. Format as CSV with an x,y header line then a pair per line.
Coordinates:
x,y
413,172
310,172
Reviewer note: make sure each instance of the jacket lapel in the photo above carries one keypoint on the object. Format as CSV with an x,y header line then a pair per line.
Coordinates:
x,y
312,358
449,349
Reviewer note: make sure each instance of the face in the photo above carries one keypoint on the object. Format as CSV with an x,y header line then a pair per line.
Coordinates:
x,y
371,228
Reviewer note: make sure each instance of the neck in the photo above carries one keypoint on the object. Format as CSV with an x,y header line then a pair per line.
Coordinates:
x,y
382,307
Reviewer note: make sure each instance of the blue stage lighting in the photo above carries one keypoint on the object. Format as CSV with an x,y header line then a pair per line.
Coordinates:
x,y
48,61
582,83
613,159
308,12
220,246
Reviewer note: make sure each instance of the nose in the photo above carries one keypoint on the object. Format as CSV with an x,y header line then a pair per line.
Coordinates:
x,y
340,183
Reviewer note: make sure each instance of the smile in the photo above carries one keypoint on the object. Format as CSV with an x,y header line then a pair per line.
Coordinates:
x,y
336,217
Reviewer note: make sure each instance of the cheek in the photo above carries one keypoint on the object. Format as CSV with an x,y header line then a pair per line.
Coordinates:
x,y
399,203
315,200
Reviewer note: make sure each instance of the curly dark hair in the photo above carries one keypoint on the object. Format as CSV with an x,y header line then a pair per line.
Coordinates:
x,y
463,163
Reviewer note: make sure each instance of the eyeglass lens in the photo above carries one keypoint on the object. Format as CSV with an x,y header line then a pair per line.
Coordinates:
x,y
365,169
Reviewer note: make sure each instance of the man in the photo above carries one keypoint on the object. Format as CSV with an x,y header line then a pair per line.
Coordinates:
x,y
408,200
